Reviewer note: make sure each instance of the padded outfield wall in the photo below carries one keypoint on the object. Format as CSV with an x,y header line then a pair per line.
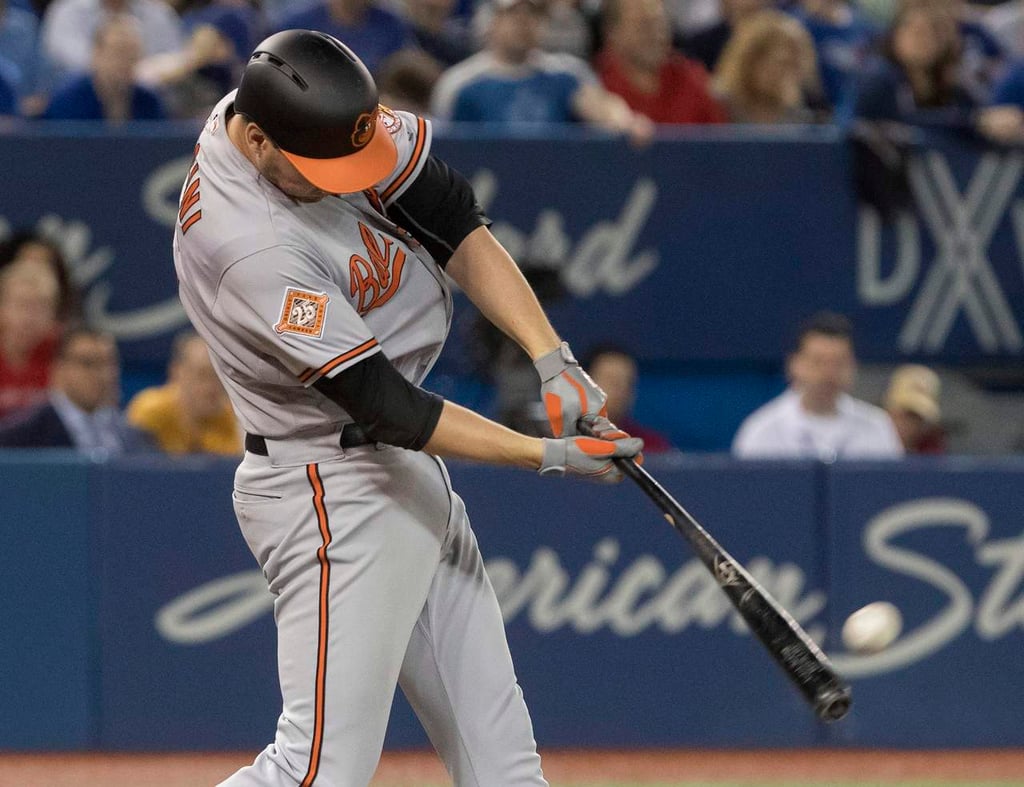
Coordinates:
x,y
136,618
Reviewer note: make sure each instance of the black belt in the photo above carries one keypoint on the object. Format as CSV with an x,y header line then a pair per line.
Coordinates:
x,y
352,436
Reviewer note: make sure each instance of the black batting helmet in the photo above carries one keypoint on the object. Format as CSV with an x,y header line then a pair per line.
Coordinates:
x,y
317,102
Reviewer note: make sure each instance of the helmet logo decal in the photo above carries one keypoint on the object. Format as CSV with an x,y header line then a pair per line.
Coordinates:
x,y
390,120
365,126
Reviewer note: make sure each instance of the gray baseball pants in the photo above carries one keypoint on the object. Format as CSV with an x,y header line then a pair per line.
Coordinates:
x,y
378,580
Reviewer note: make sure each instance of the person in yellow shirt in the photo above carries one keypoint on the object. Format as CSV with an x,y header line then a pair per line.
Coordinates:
x,y
191,413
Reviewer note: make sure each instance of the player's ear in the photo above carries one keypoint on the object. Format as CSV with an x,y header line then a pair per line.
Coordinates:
x,y
256,138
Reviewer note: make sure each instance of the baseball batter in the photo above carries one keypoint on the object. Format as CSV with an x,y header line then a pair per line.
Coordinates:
x,y
314,236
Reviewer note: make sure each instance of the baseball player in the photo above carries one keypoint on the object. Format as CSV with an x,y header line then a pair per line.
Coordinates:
x,y
314,235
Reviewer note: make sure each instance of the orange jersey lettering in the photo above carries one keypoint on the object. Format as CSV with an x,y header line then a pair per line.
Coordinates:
x,y
375,280
189,211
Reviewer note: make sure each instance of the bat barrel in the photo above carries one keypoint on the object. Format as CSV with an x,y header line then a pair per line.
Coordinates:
x,y
802,660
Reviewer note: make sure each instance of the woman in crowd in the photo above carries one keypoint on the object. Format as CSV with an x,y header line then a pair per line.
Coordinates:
x,y
768,71
916,78
36,300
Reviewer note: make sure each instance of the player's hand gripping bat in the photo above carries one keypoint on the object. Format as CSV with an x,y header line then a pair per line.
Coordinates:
x,y
802,660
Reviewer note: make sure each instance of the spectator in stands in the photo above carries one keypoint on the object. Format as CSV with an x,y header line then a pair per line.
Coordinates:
x,y
109,91
915,81
70,26
191,413
984,52
21,66
615,371
816,417
513,82
406,80
219,39
912,401
28,249
639,64
1005,21
706,45
362,25
437,31
81,409
689,16
568,30
983,59
28,335
767,73
501,362
1003,120
843,39
238,21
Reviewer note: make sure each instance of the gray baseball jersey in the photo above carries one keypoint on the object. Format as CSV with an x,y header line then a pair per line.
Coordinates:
x,y
287,292
376,573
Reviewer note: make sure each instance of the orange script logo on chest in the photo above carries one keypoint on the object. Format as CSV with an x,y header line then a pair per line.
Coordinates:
x,y
375,280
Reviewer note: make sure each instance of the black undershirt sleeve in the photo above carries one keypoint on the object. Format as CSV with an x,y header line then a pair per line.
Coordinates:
x,y
388,407
439,209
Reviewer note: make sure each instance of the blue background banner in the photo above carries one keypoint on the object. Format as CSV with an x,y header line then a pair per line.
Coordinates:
x,y
48,644
721,239
138,620
954,543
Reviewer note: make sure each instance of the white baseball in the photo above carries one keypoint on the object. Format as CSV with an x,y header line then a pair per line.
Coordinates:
x,y
872,628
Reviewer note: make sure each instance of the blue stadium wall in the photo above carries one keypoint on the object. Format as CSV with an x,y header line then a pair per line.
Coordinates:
x,y
701,253
136,619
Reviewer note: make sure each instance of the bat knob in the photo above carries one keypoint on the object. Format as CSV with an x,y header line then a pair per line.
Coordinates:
x,y
833,703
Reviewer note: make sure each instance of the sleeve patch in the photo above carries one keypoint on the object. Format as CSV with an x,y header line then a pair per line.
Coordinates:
x,y
303,313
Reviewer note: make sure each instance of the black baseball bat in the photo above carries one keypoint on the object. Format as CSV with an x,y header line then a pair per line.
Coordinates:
x,y
804,663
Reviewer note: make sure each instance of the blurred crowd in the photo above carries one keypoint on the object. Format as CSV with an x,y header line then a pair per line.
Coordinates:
x,y
626,66
60,385
60,379
623,65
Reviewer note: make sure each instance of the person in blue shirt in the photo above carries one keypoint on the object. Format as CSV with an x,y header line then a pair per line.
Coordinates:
x,y
109,91
916,79
983,60
219,37
367,29
1003,120
437,31
842,41
1010,89
513,82
23,66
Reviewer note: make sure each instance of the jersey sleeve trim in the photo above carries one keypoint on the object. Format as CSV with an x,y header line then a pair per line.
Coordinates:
x,y
367,348
416,162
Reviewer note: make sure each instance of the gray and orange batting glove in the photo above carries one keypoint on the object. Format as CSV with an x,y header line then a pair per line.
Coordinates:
x,y
567,391
590,457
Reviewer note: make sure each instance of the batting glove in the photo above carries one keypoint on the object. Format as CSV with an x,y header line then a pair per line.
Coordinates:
x,y
567,391
590,457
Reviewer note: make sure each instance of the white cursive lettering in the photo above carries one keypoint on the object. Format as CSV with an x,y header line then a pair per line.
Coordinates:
x,y
602,259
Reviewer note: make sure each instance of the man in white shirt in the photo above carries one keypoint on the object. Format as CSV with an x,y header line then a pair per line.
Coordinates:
x,y
816,417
